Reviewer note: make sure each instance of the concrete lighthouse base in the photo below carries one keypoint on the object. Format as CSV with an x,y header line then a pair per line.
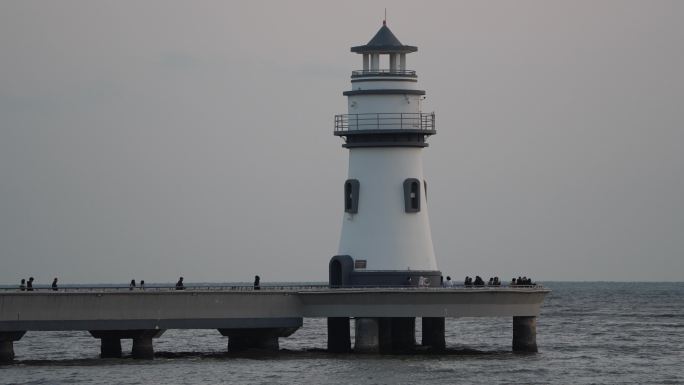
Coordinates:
x,y
525,334
7,345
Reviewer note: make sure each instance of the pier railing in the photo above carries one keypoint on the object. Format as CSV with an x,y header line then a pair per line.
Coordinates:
x,y
245,287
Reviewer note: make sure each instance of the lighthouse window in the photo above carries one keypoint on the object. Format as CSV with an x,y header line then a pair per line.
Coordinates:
x,y
412,195
351,196
425,188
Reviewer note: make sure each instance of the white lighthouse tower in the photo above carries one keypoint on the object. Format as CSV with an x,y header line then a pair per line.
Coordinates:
x,y
386,237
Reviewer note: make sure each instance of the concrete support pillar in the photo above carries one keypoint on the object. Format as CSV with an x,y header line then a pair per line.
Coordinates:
x,y
239,343
339,336
525,334
403,333
110,347
433,333
110,342
367,335
366,61
7,345
385,335
259,338
142,347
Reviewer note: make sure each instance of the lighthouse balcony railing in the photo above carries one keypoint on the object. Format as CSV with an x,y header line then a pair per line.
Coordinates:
x,y
383,72
385,121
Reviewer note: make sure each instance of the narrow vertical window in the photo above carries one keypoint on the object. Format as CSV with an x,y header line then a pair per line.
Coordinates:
x,y
425,189
351,196
412,195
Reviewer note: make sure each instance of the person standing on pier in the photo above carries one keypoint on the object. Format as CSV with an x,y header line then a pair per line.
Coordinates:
x,y
22,285
29,284
179,284
257,284
142,284
54,284
132,285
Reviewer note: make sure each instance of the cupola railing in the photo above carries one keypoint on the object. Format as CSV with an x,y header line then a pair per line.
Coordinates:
x,y
385,121
384,72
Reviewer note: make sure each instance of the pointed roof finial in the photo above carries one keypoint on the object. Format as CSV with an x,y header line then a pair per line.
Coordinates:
x,y
384,21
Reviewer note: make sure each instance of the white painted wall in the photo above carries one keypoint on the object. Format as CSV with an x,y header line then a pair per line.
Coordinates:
x,y
383,83
381,232
363,104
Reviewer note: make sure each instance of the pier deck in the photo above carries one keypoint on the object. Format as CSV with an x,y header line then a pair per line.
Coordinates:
x,y
235,306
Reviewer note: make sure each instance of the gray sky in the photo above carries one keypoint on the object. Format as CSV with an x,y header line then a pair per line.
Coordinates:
x,y
151,139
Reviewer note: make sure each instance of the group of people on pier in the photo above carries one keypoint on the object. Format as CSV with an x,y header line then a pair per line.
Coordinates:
x,y
524,281
25,285
493,281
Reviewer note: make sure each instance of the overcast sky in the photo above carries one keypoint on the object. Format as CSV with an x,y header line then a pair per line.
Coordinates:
x,y
152,139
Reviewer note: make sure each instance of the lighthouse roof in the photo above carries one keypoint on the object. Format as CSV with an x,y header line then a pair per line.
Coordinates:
x,y
384,41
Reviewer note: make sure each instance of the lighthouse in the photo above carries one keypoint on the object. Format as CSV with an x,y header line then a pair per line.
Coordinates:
x,y
385,239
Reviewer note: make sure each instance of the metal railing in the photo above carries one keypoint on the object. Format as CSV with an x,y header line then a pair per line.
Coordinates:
x,y
249,288
384,72
385,121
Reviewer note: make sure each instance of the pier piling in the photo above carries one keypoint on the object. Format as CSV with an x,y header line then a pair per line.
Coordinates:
x,y
525,334
433,333
110,342
257,338
339,336
7,344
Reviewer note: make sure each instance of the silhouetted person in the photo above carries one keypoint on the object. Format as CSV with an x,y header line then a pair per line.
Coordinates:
x,y
409,281
142,284
54,284
22,285
132,285
466,282
496,281
491,281
179,284
257,285
29,284
518,281
448,282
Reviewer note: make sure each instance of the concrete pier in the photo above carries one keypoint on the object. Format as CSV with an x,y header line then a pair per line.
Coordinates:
x,y
525,334
7,344
258,338
384,317
433,333
339,335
